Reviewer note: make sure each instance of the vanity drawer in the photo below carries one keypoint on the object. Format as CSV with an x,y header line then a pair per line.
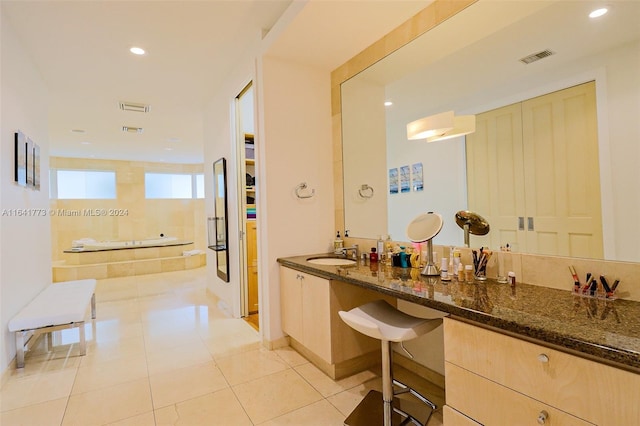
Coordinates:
x,y
476,397
596,392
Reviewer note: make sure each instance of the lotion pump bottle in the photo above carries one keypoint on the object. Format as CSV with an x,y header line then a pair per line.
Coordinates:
x,y
338,244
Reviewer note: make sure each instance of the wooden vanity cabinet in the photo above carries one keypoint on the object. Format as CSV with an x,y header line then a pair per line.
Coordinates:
x,y
309,316
495,379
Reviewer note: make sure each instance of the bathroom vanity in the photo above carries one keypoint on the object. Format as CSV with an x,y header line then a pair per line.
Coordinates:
x,y
527,353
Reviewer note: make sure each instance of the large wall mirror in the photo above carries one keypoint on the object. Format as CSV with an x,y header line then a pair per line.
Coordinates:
x,y
218,225
471,64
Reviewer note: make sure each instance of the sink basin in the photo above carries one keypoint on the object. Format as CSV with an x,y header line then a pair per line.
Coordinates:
x,y
333,261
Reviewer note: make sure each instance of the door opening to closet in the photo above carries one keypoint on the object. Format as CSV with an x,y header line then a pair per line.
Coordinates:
x,y
245,145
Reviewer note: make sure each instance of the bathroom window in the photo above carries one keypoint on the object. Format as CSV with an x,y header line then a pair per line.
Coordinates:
x,y
83,184
174,185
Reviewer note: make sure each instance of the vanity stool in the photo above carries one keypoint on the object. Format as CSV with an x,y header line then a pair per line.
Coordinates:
x,y
380,320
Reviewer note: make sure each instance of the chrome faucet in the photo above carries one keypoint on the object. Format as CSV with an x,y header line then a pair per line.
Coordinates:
x,y
355,251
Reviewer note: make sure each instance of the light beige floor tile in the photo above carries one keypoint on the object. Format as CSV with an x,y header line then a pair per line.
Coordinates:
x,y
109,373
186,383
225,346
291,357
42,414
20,392
47,362
274,395
325,385
346,401
219,408
178,357
110,404
110,330
247,366
159,343
102,351
319,413
146,419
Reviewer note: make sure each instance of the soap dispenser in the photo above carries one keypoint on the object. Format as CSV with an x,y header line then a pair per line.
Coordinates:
x,y
338,244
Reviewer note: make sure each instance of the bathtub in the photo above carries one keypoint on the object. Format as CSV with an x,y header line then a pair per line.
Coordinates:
x,y
87,244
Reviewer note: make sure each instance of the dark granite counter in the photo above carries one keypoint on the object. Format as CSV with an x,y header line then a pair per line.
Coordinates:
x,y
601,329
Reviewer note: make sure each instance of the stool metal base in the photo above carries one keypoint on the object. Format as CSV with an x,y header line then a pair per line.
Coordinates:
x,y
370,412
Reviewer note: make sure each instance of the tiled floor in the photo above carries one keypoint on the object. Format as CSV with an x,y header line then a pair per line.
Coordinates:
x,y
161,353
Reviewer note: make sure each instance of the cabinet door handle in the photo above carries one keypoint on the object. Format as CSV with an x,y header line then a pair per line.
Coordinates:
x,y
542,417
543,358
530,224
520,223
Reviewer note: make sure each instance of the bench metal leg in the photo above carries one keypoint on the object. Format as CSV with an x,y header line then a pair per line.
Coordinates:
x,y
93,306
19,349
83,343
48,342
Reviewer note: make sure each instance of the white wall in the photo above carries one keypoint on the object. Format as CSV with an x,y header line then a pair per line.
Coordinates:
x,y
219,141
25,242
363,125
295,146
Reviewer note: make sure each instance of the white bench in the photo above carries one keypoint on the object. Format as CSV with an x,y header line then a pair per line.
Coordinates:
x,y
59,306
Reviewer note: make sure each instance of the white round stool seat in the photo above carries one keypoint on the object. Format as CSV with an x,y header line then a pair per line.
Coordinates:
x,y
382,321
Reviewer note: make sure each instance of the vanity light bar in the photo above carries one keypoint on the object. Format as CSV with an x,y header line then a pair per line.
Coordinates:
x,y
536,56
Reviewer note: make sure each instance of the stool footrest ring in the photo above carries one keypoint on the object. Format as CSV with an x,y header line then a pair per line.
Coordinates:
x,y
404,389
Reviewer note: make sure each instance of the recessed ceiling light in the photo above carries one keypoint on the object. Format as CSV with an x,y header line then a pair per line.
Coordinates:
x,y
85,143
137,50
168,149
132,129
173,140
77,131
598,12
388,103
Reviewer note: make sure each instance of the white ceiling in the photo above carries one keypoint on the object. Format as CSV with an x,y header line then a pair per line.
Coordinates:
x,y
81,50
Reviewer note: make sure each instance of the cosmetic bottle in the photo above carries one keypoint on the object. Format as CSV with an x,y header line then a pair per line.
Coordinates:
x,y
380,245
338,244
457,265
404,262
512,278
460,272
468,273
373,256
444,271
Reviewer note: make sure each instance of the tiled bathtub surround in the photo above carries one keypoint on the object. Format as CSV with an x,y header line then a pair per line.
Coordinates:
x,y
145,218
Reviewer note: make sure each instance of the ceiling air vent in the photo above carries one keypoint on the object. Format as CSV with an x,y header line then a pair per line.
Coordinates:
x,y
133,106
131,129
536,56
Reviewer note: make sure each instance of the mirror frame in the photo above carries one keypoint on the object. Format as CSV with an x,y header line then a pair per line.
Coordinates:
x,y
220,223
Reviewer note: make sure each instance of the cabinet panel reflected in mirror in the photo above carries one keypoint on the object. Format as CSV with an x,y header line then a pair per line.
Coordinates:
x,y
470,67
218,227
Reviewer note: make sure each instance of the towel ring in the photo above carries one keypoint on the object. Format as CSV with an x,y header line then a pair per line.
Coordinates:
x,y
302,187
366,191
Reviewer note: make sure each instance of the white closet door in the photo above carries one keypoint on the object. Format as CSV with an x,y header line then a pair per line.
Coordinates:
x,y
495,176
562,173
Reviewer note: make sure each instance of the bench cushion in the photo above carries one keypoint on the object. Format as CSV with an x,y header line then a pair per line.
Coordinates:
x,y
58,304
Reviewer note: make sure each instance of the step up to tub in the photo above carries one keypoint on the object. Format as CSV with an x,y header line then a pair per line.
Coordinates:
x,y
128,261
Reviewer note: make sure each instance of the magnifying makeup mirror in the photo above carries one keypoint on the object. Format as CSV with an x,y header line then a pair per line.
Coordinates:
x,y
423,228
472,223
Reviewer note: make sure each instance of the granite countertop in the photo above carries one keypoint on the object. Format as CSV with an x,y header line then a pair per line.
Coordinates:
x,y
602,329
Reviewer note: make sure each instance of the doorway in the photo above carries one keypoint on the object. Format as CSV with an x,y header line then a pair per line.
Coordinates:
x,y
245,146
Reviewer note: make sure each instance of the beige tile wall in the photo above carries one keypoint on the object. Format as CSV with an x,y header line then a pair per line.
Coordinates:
x,y
184,219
